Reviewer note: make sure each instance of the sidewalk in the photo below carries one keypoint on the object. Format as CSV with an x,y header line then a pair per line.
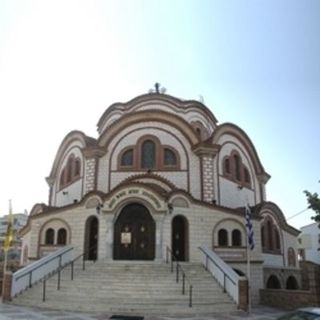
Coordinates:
x,y
12,312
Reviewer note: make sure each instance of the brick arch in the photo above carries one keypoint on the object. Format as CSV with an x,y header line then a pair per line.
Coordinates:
x,y
151,115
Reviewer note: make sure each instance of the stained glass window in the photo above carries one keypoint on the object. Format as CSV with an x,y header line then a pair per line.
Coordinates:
x,y
170,158
148,155
127,158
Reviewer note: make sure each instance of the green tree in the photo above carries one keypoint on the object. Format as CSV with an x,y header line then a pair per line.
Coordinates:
x,y
314,204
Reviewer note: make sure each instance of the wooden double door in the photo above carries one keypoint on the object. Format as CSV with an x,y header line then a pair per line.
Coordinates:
x,y
134,234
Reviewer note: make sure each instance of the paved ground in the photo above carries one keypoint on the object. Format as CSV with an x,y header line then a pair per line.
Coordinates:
x,y
11,312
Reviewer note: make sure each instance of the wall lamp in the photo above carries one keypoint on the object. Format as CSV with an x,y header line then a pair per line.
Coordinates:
x,y
98,208
65,193
170,208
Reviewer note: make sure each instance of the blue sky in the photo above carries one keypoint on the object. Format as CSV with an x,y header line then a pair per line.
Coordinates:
x,y
255,63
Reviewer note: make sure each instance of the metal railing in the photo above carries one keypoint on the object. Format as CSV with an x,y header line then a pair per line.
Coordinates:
x,y
222,272
179,271
58,271
36,271
45,268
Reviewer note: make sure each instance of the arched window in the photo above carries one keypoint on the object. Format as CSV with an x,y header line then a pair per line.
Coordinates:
x,y
237,167
263,235
170,158
69,169
49,236
236,238
246,175
292,283
127,158
291,257
269,233
62,236
77,167
222,237
273,283
148,155
277,238
227,166
62,178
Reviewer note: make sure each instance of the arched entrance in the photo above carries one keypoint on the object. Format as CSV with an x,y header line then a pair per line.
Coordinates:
x,y
134,234
179,240
91,238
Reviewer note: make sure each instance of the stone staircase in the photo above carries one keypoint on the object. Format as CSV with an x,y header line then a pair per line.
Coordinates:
x,y
130,286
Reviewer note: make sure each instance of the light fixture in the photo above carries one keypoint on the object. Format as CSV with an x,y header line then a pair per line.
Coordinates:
x,y
98,208
64,193
170,208
240,187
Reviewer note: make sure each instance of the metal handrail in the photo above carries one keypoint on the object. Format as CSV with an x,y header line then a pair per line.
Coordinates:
x,y
225,275
60,268
184,277
42,264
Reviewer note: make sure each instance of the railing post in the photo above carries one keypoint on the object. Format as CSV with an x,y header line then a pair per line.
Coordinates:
x,y
224,282
59,275
206,262
177,272
167,255
190,296
44,290
30,279
183,282
171,263
83,264
72,270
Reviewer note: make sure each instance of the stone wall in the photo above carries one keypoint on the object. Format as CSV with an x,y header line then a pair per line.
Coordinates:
x,y
288,299
292,299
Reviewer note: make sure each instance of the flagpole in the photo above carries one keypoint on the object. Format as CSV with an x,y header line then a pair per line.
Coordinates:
x,y
248,277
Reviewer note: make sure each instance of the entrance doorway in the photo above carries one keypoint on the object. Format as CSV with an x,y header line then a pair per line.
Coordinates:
x,y
91,238
134,234
179,241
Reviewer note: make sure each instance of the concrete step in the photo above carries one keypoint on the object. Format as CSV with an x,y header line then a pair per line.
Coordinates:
x,y
129,286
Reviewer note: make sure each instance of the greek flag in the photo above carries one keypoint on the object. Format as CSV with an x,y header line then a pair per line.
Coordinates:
x,y
249,228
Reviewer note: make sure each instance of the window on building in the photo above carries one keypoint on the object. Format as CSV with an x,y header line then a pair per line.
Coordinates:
x,y
291,257
237,167
71,172
270,237
235,170
127,158
227,166
148,155
77,167
223,237
62,236
236,238
170,158
49,239
246,175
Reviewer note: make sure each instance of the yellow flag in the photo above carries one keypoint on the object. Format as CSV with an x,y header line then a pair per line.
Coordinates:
x,y
9,235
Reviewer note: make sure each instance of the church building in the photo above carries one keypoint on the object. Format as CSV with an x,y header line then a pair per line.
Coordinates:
x,y
163,173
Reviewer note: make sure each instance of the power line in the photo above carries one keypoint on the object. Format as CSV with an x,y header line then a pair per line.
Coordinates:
x,y
302,211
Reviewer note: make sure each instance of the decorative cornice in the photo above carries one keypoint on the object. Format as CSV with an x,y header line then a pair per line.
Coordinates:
x,y
93,152
205,148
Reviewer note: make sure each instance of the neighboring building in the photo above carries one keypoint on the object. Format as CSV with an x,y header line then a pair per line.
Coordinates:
x,y
19,221
163,172
309,243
